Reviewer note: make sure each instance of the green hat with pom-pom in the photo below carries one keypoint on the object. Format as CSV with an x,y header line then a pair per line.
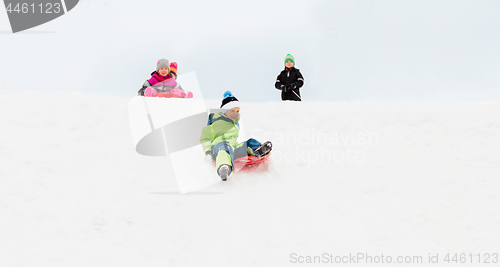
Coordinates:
x,y
290,58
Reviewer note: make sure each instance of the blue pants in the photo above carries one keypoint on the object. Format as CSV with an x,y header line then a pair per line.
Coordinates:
x,y
235,153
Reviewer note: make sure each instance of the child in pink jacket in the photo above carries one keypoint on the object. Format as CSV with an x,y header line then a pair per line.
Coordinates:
x,y
163,82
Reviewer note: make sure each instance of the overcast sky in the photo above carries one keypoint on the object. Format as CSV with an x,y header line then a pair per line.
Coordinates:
x,y
347,50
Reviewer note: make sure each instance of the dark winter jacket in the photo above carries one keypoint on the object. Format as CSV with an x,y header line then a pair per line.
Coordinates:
x,y
289,81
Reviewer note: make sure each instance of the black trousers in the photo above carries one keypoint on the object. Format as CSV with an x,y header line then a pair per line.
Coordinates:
x,y
293,95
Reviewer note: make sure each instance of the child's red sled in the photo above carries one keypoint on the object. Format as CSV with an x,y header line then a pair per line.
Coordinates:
x,y
250,160
167,95
241,163
174,95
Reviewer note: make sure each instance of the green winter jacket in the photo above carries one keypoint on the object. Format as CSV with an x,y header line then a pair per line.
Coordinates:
x,y
222,129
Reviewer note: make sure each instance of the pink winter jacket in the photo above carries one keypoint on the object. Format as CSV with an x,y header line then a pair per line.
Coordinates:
x,y
162,83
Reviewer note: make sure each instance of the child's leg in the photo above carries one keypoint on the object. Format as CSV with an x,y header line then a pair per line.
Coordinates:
x,y
253,144
246,148
224,154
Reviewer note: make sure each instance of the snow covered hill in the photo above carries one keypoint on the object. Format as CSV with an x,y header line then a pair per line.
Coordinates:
x,y
345,178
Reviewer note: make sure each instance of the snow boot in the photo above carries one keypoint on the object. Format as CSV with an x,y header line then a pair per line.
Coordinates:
x,y
224,171
263,149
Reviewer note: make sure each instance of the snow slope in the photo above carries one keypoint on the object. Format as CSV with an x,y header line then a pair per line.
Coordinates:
x,y
391,179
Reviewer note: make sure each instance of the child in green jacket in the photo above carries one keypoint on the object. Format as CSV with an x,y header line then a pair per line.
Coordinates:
x,y
219,138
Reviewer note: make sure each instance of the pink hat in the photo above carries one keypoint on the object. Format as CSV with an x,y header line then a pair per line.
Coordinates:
x,y
173,68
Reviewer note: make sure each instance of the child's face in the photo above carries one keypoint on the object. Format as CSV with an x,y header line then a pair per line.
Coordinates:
x,y
233,113
289,64
163,71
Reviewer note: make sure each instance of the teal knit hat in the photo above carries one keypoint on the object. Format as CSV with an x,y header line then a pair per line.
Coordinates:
x,y
290,57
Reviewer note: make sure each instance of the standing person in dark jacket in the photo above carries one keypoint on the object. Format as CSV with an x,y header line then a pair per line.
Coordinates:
x,y
290,80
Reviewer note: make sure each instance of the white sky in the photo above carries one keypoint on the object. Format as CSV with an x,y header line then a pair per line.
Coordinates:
x,y
347,50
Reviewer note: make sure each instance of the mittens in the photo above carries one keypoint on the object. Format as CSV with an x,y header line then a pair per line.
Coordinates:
x,y
149,92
